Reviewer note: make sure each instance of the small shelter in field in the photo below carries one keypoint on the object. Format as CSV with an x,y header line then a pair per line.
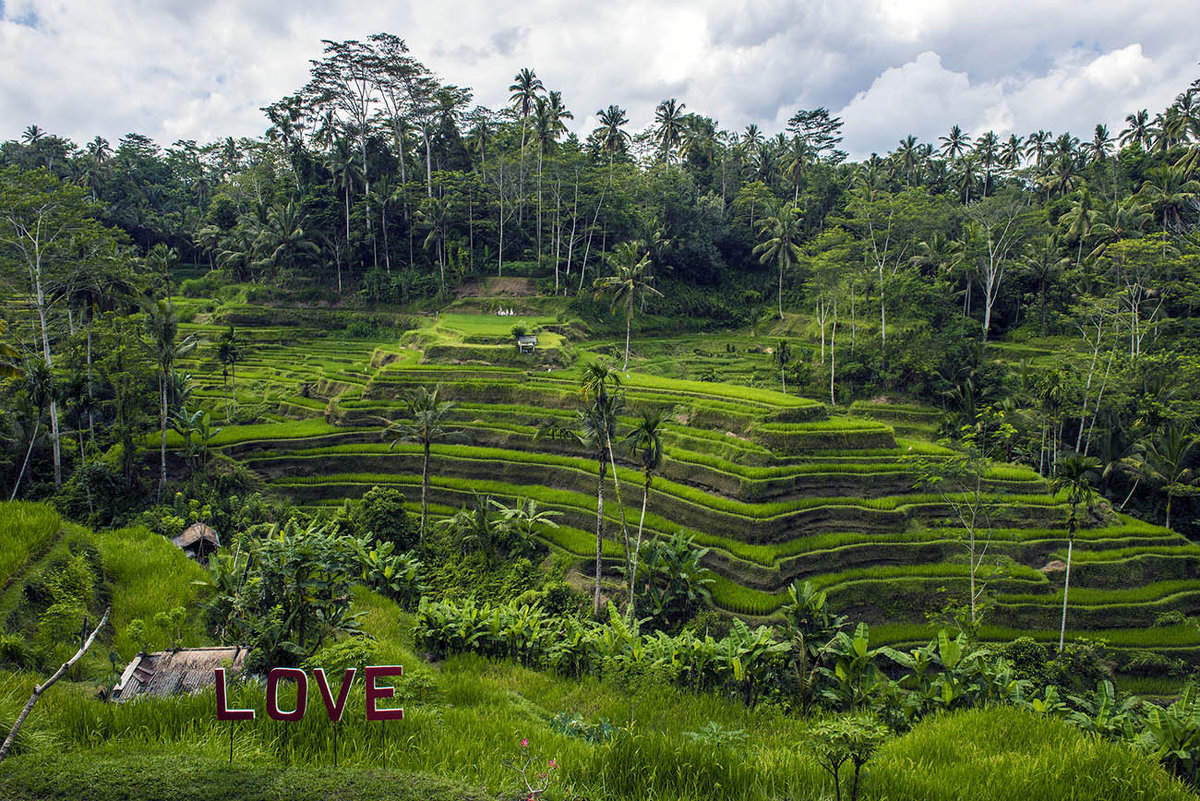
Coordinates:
x,y
527,343
187,670
198,541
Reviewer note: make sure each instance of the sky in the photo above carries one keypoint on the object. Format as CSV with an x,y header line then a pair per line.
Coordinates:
x,y
202,69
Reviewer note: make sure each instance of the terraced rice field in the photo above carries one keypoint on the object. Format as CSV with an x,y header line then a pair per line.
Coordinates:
x,y
776,486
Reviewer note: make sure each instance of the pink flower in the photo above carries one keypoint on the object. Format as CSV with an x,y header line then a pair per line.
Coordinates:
x,y
553,764
524,743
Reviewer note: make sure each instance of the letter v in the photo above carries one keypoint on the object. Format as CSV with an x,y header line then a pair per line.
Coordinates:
x,y
334,710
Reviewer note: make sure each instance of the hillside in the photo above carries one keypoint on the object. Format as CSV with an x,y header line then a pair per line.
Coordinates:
x,y
777,487
467,719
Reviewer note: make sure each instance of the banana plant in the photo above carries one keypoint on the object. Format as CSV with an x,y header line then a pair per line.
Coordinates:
x,y
854,677
1172,735
1106,713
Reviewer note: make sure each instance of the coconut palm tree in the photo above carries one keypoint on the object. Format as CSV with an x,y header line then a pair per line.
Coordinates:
x,y
1079,220
668,126
783,357
628,285
1137,130
347,175
956,143
595,427
282,240
428,425
229,352
645,441
781,229
1011,152
611,133
1165,460
1074,475
162,329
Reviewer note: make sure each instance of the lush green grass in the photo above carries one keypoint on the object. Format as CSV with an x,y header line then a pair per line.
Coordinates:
x,y
1087,596
1005,754
26,530
149,575
1146,637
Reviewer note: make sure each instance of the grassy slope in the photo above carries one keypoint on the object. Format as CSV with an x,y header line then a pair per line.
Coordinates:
x,y
720,479
465,718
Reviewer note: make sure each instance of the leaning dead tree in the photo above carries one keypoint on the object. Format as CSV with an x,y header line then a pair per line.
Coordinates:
x,y
41,688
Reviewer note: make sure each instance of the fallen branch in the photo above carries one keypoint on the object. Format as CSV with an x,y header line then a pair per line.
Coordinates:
x,y
41,688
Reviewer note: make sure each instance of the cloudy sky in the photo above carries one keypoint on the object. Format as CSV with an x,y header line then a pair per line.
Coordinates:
x,y
201,69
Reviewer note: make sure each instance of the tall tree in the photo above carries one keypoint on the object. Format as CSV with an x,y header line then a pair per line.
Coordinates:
x,y
645,440
162,330
48,229
430,417
629,285
1073,474
781,232
668,127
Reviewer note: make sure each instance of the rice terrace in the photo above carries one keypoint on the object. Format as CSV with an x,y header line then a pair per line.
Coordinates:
x,y
412,448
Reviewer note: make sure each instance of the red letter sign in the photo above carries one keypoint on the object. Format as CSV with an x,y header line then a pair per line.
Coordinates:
x,y
334,710
375,693
273,693
223,710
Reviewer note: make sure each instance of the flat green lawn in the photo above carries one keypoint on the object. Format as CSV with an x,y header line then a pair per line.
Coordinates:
x,y
490,325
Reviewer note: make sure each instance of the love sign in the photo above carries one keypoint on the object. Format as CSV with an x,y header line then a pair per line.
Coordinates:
x,y
334,706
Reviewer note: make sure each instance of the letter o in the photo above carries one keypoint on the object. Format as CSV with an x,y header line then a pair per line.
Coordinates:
x,y
273,679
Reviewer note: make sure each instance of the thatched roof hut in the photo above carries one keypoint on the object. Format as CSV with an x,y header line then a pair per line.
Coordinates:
x,y
188,670
198,541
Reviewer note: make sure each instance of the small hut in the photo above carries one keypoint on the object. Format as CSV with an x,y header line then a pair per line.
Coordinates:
x,y
527,343
187,670
198,541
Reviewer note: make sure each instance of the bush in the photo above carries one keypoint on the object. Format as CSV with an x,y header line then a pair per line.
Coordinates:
x,y
380,514
205,287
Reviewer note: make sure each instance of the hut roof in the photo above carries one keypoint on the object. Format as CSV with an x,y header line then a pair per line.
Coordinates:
x,y
195,533
188,670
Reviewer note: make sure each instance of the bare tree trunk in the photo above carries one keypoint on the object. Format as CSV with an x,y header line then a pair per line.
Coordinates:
x,y
41,688
25,463
1062,631
599,538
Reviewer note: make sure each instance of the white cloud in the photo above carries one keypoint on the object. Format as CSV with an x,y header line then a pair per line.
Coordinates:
x,y
201,69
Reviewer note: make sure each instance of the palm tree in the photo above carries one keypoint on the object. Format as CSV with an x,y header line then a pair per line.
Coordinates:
x,y
595,428
523,95
1168,194
783,357
908,153
162,328
1164,460
282,239
347,175
1043,262
1038,145
1079,220
645,440
428,425
1073,474
668,130
1137,130
988,151
1011,152
782,243
1101,145
611,133
956,143
549,124
38,383
229,352
435,212
629,285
